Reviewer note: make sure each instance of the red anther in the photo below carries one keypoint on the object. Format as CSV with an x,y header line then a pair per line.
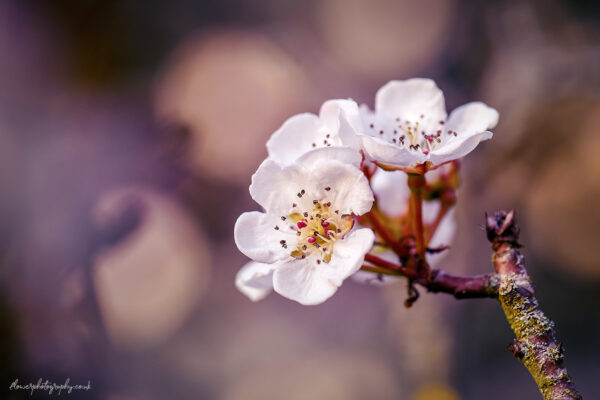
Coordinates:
x,y
301,224
324,223
311,239
426,152
327,231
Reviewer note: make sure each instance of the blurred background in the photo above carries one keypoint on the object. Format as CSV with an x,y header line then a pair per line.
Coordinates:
x,y
128,134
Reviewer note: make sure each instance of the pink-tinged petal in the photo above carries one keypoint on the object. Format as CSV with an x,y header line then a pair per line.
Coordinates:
x,y
311,283
255,280
295,137
410,99
255,236
391,154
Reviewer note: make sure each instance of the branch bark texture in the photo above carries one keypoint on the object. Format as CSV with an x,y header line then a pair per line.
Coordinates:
x,y
536,344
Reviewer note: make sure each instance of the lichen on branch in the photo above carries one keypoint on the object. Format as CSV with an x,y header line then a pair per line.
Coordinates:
x,y
536,344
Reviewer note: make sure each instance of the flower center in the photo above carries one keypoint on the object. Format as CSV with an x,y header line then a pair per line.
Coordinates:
x,y
316,226
422,135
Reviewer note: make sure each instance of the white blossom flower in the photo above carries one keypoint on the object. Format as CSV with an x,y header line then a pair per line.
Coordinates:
x,y
303,133
410,126
306,233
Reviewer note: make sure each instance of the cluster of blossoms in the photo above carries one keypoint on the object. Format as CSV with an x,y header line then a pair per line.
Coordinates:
x,y
354,188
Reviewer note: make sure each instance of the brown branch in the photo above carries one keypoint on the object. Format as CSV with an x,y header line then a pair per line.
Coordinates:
x,y
463,287
535,344
438,281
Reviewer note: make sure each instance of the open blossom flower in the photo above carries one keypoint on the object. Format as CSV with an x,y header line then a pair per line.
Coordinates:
x,y
304,133
410,126
305,239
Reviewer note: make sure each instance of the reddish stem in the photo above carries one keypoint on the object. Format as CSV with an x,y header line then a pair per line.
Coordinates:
x,y
382,231
416,182
390,266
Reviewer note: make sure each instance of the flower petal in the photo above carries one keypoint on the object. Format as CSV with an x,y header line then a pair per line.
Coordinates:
x,y
255,280
274,186
458,147
410,99
309,283
471,122
348,133
472,118
331,110
256,237
304,281
350,190
388,153
346,155
295,137
349,254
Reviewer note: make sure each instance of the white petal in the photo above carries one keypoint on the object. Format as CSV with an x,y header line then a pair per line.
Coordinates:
x,y
304,281
294,138
309,283
348,134
350,191
349,254
255,280
331,110
346,155
256,237
410,99
274,186
472,118
471,122
392,192
388,153
458,147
